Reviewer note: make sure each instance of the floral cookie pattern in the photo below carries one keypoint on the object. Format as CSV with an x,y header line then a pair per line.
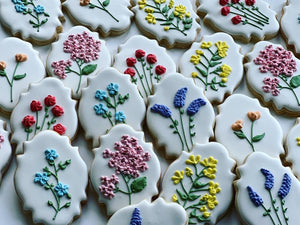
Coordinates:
x,y
77,55
5,148
215,64
57,195
125,169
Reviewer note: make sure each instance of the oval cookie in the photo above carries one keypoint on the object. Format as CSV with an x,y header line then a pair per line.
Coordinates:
x,y
5,148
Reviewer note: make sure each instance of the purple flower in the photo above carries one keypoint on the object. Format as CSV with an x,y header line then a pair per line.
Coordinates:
x,y
41,178
179,99
61,189
162,110
285,186
136,218
255,198
51,154
269,183
195,106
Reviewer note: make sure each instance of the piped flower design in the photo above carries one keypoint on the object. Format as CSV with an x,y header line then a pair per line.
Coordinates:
x,y
136,218
2,139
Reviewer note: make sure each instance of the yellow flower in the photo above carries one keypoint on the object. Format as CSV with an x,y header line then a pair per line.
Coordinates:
x,y
149,10
298,140
174,198
206,214
224,80
213,188
210,173
142,3
150,18
199,52
178,176
179,9
188,14
222,47
160,1
192,160
171,4
210,162
188,171
205,44
226,69
166,28
212,201
195,59
203,209
194,74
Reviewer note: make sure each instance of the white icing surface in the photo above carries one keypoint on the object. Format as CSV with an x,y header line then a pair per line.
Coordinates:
x,y
155,213
224,177
236,108
98,19
250,175
57,53
233,59
5,148
171,36
33,195
212,11
19,23
95,125
290,25
285,101
33,67
128,49
158,125
38,92
100,168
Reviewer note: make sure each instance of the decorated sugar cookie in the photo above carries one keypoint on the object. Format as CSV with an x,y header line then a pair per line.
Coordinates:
x,y
46,106
273,75
37,21
201,182
215,64
173,22
5,148
20,65
109,17
125,169
78,54
145,62
266,192
146,213
245,20
243,126
109,99
179,115
51,179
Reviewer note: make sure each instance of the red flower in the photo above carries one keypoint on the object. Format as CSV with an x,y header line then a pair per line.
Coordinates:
x,y
225,10
159,70
28,121
57,111
130,71
235,1
139,53
223,2
130,62
151,58
35,106
250,2
236,19
50,100
59,128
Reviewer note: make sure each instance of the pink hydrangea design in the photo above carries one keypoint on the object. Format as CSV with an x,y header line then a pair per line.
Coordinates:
x,y
60,67
1,139
271,85
108,186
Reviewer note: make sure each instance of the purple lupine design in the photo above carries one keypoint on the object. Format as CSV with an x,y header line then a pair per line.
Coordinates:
x,y
136,218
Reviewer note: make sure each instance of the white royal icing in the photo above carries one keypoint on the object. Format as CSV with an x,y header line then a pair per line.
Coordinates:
x,y
197,127
72,80
5,148
116,18
211,9
285,101
100,167
33,68
41,10
34,195
128,49
266,135
157,212
172,36
250,175
38,92
230,57
221,189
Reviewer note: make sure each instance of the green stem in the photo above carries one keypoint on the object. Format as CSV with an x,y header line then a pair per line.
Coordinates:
x,y
179,135
151,75
55,173
252,125
183,131
270,216
111,122
51,122
115,107
289,87
128,188
141,79
190,130
273,206
263,17
105,10
27,137
37,121
250,142
283,212
45,116
80,75
57,202
250,14
143,66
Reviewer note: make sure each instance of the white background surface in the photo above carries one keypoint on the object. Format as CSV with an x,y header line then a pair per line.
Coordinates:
x,y
11,212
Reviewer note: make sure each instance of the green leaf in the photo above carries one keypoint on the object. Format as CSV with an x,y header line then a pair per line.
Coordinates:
x,y
201,218
191,222
44,21
258,137
222,84
166,23
239,134
2,73
106,3
265,214
138,184
181,195
50,203
216,58
67,205
19,77
189,20
46,14
295,81
91,6
193,134
88,69
187,26
203,73
212,86
164,9
171,17
191,119
69,196
193,197
193,213
47,187
176,122
214,80
198,184
171,126
212,64
182,111
175,132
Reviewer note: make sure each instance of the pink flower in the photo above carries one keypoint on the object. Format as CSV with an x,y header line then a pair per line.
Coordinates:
x,y
236,19
50,100
59,68
250,2
130,62
28,121
35,106
159,69
271,85
59,128
139,53
151,58
223,2
225,10
1,139
108,186
57,111
130,72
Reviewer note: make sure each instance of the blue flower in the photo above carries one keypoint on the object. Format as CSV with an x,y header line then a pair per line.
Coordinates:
x,y
20,8
195,106
136,218
39,9
101,95
51,154
17,2
269,183
41,178
61,189
285,186
299,19
113,88
100,109
120,116
179,99
255,198
162,110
